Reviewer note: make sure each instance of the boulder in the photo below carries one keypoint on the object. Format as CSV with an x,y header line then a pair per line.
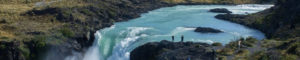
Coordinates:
x,y
207,30
220,10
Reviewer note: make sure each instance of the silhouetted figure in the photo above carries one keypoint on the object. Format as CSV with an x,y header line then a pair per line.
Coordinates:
x,y
239,44
172,38
182,38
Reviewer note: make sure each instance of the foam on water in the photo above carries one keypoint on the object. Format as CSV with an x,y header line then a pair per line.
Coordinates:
x,y
121,50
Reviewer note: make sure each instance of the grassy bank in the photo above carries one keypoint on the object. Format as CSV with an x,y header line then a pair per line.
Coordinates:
x,y
267,49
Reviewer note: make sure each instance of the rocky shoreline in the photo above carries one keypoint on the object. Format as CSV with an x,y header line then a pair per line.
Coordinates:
x,y
280,24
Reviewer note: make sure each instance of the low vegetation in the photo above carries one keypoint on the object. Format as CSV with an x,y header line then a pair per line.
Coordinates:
x,y
269,49
226,51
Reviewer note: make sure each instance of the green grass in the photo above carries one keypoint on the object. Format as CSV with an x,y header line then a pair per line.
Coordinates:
x,y
242,55
289,57
87,12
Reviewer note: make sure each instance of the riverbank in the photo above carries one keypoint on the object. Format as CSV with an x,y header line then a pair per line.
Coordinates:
x,y
277,22
280,24
29,29
249,49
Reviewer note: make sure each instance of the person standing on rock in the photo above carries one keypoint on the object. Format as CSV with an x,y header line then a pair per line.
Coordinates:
x,y
239,44
182,38
173,38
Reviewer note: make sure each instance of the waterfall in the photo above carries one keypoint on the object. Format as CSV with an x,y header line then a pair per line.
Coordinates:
x,y
93,52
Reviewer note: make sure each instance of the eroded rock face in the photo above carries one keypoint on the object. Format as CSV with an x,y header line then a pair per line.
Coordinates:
x,y
220,10
207,30
166,50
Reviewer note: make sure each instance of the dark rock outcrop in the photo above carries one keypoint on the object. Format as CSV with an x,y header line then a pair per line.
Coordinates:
x,y
220,10
207,30
230,16
166,50
10,51
43,12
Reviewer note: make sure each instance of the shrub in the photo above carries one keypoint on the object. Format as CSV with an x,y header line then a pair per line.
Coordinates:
x,y
87,12
4,37
289,57
67,32
25,51
9,27
2,46
232,45
40,44
65,15
297,51
242,55
271,43
40,41
256,55
264,57
243,52
216,44
247,44
3,21
294,48
222,58
251,40
226,51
